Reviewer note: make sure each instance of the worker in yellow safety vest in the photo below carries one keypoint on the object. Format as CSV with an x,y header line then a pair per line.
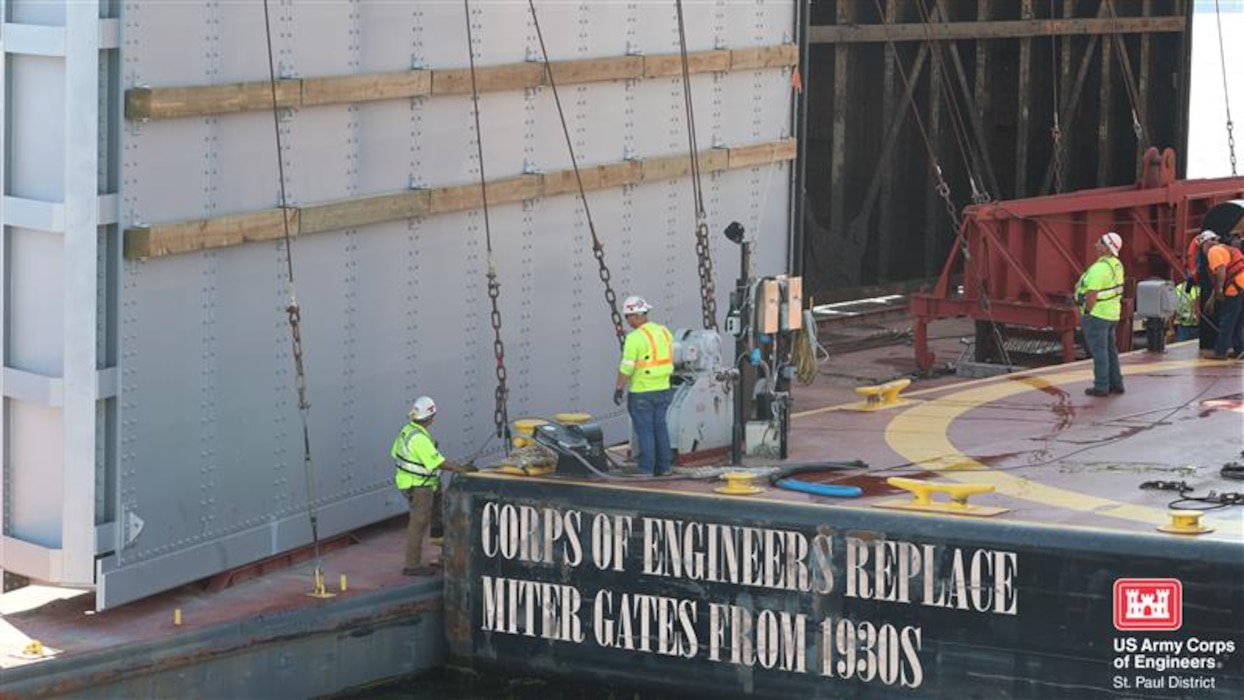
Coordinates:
x,y
647,363
1187,315
1099,292
418,465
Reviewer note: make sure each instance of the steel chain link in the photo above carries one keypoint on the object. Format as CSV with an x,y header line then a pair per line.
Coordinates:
x,y
1056,134
1231,145
708,290
598,252
500,412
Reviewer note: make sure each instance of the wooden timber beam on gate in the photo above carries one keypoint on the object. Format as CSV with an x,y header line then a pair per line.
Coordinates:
x,y
996,29
143,103
159,240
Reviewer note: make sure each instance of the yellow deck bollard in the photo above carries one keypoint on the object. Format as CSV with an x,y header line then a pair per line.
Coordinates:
x,y
572,418
177,617
881,396
1185,522
739,484
922,498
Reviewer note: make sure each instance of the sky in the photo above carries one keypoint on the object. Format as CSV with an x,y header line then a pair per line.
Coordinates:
x,y
1208,155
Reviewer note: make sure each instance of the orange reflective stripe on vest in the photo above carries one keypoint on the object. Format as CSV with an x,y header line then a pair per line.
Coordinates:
x,y
657,360
1234,268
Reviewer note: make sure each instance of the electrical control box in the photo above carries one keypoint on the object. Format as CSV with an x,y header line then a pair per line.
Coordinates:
x,y
769,314
792,303
1156,299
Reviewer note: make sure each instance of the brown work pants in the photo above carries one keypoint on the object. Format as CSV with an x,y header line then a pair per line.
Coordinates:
x,y
420,500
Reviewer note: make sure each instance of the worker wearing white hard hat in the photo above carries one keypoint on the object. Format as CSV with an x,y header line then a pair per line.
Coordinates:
x,y
1225,265
647,363
1099,293
418,464
1197,274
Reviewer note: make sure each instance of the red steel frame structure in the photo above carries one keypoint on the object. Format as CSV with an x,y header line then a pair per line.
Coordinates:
x,y
1015,263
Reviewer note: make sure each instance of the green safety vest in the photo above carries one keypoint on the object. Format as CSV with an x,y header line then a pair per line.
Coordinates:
x,y
416,458
1186,312
648,358
1105,276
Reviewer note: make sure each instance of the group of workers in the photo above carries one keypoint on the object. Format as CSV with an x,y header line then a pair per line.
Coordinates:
x,y
1211,304
645,369
1211,308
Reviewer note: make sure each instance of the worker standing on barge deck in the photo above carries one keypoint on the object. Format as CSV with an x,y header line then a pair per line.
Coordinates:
x,y
1226,268
647,363
1100,295
418,465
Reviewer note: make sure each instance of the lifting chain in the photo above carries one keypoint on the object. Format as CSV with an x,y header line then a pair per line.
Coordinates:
x,y
708,290
1231,143
943,191
295,329
1056,134
500,413
598,250
292,310
611,298
703,254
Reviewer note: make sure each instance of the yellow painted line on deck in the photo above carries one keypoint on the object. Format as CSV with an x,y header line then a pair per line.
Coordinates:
x,y
921,434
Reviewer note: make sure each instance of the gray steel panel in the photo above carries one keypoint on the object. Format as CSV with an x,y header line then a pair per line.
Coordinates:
x,y
36,170
387,31
239,49
759,23
386,144
317,150
183,169
504,148
36,12
661,118
35,299
35,473
318,36
211,456
595,115
123,579
765,114
444,141
161,30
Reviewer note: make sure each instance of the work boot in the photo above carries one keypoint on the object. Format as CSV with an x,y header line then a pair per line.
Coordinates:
x,y
1092,391
1117,390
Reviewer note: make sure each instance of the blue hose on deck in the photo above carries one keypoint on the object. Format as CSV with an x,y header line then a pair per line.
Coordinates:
x,y
820,489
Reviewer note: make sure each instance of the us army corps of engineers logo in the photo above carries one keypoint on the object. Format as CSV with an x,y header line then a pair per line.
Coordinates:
x,y
1148,604
1161,662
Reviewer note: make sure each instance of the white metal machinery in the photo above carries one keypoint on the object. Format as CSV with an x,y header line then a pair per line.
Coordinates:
x,y
702,410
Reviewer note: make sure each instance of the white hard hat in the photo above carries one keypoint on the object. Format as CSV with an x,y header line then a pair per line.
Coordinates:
x,y
635,305
1113,242
422,409
1206,235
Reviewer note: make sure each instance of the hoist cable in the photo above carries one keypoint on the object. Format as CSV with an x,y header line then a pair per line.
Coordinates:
x,y
1222,55
598,249
942,188
1056,131
500,413
1133,96
971,156
703,253
292,310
